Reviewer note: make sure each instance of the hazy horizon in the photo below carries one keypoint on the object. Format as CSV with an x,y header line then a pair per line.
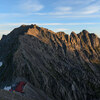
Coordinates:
x,y
58,15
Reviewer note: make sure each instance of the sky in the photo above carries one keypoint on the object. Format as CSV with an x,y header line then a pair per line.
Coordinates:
x,y
56,15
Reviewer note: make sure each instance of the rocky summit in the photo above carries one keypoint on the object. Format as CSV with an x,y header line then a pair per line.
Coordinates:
x,y
55,66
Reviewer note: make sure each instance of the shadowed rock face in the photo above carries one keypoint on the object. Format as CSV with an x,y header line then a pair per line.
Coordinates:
x,y
65,67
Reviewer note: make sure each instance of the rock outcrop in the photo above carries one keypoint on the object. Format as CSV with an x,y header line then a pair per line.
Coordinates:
x,y
64,67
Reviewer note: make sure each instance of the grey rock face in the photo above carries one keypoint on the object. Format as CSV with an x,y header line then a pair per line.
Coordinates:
x,y
63,67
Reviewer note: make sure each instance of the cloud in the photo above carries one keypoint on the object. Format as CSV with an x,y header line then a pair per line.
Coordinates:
x,y
2,15
48,24
78,16
73,2
78,7
4,32
75,8
72,9
31,6
60,29
91,9
57,11
81,14
63,8
67,24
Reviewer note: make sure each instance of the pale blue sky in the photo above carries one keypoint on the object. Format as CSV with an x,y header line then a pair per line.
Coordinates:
x,y
57,15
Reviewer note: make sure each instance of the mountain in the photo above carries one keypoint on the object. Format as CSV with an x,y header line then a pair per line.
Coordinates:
x,y
62,66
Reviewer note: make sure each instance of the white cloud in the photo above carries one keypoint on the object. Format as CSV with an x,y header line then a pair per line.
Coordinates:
x,y
67,23
44,24
2,15
4,32
10,24
57,11
91,9
63,8
60,29
75,8
79,7
73,3
78,16
31,6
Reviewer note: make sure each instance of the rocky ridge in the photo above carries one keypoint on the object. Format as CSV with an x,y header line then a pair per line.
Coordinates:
x,y
65,67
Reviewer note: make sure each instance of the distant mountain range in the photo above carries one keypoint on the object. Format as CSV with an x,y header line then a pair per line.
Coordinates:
x,y
62,66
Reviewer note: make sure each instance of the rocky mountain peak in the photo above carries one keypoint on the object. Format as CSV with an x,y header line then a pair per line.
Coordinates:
x,y
85,32
30,26
23,29
73,34
60,34
64,67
